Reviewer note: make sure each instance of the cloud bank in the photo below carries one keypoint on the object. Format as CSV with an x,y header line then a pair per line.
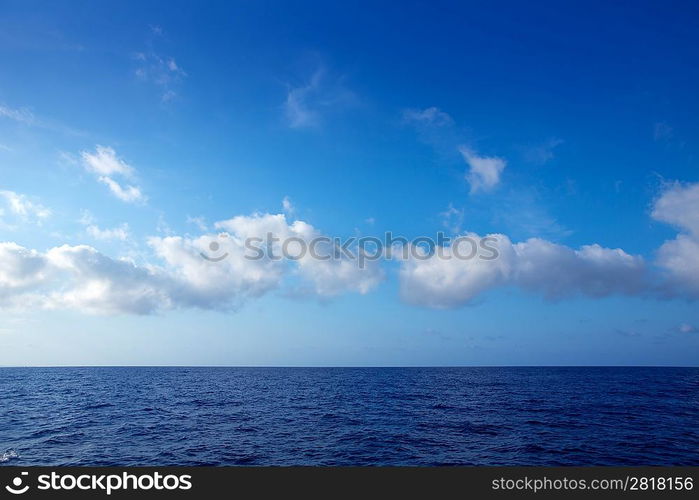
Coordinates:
x,y
557,271
82,278
213,271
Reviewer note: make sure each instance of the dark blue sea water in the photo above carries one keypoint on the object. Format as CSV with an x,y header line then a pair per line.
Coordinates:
x,y
353,416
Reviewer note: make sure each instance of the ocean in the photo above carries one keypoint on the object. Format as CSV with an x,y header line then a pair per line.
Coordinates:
x,y
349,416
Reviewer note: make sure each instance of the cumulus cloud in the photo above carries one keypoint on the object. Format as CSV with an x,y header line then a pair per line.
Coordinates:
x,y
449,282
208,272
557,271
106,165
484,171
678,204
678,259
74,277
215,271
328,273
554,271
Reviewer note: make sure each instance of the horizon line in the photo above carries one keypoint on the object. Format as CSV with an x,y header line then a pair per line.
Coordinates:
x,y
348,366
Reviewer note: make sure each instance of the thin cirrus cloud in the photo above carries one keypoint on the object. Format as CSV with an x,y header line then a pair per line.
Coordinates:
x,y
307,105
120,232
432,116
27,118
19,115
107,166
162,71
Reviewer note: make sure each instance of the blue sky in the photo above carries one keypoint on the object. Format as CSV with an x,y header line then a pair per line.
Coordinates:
x,y
134,134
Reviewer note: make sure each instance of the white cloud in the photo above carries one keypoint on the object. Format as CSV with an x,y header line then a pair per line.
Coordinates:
x,y
127,193
20,268
431,116
555,271
678,205
215,272
679,259
328,277
19,205
81,278
106,165
21,209
558,271
120,232
116,233
450,282
484,172
105,162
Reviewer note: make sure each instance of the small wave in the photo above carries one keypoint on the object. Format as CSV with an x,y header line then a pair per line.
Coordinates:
x,y
8,455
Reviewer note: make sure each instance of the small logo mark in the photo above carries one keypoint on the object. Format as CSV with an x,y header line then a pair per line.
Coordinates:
x,y
214,246
16,488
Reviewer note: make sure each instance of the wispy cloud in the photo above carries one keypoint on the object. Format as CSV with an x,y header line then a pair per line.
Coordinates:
x,y
120,232
105,165
541,154
163,71
199,222
27,117
484,171
17,208
662,131
687,328
21,115
306,105
432,116
288,206
453,219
